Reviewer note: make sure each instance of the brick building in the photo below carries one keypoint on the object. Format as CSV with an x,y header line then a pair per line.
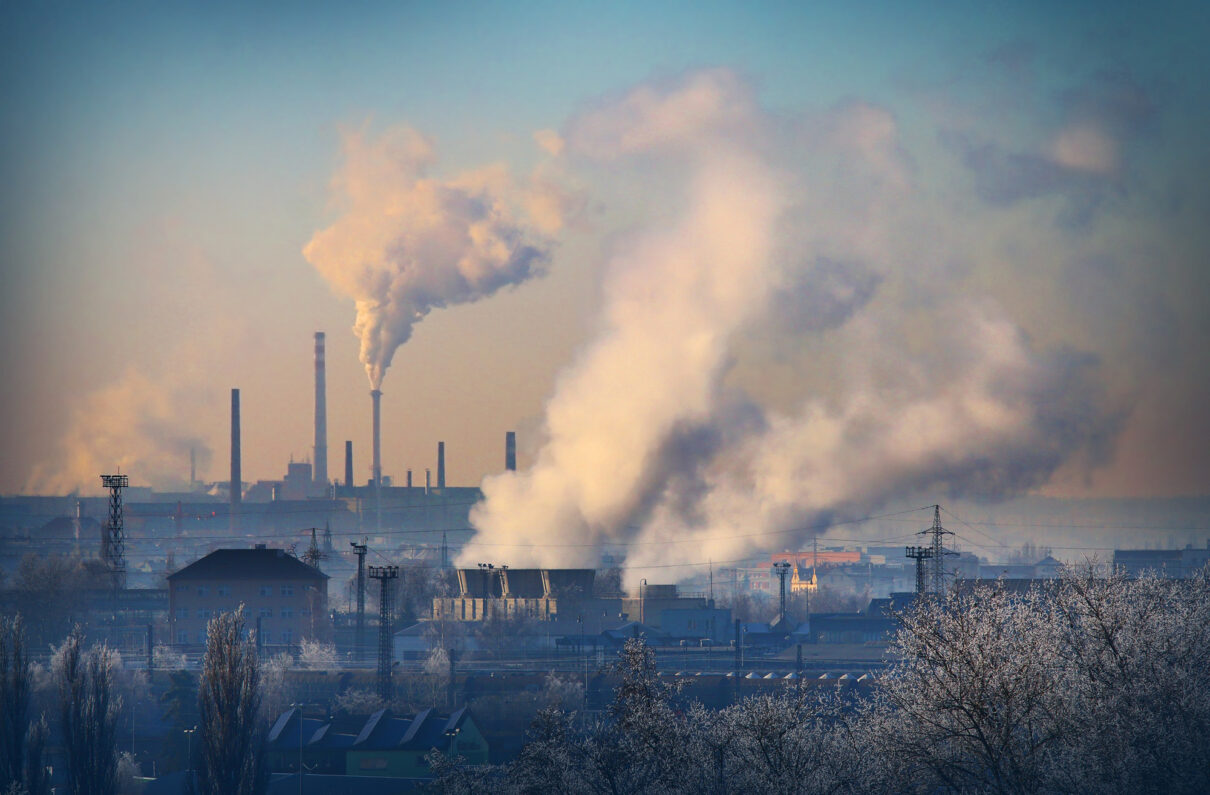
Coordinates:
x,y
285,597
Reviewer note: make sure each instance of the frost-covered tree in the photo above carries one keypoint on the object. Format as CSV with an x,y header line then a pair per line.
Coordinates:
x,y
231,759
22,742
88,715
1136,655
316,655
15,687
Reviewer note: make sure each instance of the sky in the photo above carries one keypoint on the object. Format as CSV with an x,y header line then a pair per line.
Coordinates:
x,y
712,261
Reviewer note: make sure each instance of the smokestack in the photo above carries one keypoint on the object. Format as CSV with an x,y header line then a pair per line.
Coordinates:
x,y
192,467
428,480
441,465
376,396
321,414
510,451
348,464
409,478
236,477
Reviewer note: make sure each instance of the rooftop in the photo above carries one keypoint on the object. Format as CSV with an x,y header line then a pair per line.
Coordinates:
x,y
252,564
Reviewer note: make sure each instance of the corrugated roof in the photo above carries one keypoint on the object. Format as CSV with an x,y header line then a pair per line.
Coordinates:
x,y
248,564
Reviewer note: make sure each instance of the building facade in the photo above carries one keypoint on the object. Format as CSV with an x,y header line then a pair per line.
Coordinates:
x,y
284,599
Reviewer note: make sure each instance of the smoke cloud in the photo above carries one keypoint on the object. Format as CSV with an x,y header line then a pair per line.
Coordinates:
x,y
136,425
652,442
409,243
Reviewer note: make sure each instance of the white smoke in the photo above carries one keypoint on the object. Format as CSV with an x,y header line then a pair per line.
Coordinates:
x,y
409,243
649,440
137,425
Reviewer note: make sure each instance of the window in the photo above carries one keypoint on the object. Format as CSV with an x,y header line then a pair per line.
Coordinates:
x,y
286,612
308,587
287,590
182,612
287,636
182,637
266,636
203,590
182,589
372,763
201,636
266,590
305,612
223,590
266,612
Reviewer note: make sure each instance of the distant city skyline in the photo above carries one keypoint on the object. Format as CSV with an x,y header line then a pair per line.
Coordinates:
x,y
975,192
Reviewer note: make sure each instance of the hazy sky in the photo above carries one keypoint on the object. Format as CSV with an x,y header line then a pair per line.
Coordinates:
x,y
1032,176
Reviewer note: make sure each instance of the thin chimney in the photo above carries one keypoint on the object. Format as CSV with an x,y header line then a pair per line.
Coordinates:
x,y
236,477
441,465
348,464
510,451
428,480
409,478
376,471
321,414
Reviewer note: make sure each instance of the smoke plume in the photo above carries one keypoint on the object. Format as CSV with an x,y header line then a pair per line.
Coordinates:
x,y
408,243
652,442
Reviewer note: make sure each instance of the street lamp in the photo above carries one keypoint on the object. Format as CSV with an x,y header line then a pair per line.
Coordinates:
x,y
189,749
300,746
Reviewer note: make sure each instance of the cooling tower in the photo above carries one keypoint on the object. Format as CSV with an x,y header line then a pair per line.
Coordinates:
x,y
321,414
441,465
510,451
375,441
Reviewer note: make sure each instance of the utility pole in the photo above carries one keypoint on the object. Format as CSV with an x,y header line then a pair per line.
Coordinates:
x,y
387,576
360,638
113,538
920,555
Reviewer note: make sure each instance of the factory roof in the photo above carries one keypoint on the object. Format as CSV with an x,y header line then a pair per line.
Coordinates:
x,y
240,564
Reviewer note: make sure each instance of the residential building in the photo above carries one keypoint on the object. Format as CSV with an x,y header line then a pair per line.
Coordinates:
x,y
285,599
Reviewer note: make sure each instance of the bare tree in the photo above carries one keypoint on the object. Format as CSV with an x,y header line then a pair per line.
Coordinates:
x,y
89,715
231,755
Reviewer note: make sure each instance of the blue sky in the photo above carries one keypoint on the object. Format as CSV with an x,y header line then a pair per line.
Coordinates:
x,y
165,164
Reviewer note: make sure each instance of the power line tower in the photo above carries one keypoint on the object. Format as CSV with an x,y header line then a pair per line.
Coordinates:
x,y
360,551
113,537
313,555
782,567
387,576
939,551
935,554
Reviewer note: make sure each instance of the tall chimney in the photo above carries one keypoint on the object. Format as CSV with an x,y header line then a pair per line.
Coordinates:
x,y
510,451
236,477
409,478
428,480
320,472
348,464
441,465
376,396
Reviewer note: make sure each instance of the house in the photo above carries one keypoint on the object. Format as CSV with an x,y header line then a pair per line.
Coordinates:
x,y
383,744
284,599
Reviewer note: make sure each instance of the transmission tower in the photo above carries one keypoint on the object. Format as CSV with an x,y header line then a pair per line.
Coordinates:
x,y
312,556
782,567
360,551
387,575
935,553
939,550
113,538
